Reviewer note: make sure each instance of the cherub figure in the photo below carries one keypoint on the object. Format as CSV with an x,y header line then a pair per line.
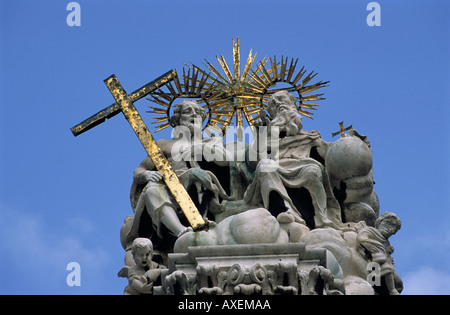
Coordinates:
x,y
374,242
143,275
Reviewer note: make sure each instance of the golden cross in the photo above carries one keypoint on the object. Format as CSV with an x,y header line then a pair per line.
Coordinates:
x,y
124,104
342,130
114,109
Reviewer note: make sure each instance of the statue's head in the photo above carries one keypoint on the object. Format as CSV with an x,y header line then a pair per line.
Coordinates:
x,y
142,250
388,224
282,109
189,114
281,99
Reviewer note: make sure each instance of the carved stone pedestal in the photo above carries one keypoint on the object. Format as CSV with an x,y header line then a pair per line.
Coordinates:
x,y
262,269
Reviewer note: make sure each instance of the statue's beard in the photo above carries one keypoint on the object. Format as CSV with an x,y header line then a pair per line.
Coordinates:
x,y
188,131
195,126
289,122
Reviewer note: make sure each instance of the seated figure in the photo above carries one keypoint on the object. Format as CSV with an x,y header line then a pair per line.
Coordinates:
x,y
157,214
295,185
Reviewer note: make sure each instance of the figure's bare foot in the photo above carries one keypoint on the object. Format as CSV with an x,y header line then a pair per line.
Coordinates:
x,y
287,217
323,222
184,231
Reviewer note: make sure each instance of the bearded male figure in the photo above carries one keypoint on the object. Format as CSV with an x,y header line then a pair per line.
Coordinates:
x,y
295,185
157,214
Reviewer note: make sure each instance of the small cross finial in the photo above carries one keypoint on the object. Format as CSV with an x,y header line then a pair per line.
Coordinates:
x,y
342,130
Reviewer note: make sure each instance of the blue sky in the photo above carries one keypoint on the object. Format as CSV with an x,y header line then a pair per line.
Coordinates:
x,y
64,199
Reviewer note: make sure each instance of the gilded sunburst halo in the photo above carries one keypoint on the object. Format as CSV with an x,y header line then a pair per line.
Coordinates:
x,y
231,96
